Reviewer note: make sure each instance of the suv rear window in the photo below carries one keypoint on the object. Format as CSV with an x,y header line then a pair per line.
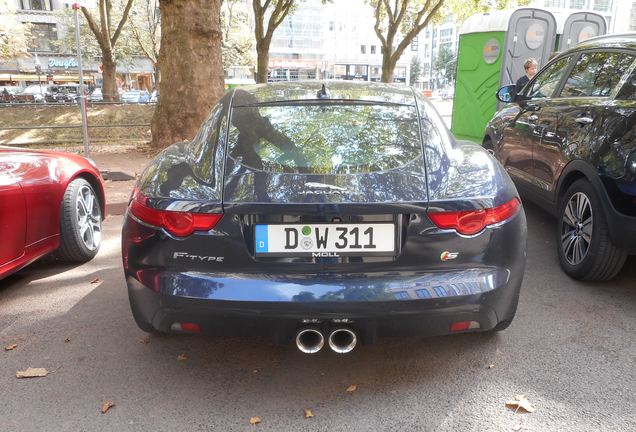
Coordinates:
x,y
324,138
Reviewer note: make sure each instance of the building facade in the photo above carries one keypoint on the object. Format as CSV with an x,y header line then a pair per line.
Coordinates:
x,y
330,41
437,40
46,63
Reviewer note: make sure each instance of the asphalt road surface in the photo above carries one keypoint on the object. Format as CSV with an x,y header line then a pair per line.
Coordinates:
x,y
570,350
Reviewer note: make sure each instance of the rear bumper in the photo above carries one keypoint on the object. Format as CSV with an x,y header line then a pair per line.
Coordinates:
x,y
423,304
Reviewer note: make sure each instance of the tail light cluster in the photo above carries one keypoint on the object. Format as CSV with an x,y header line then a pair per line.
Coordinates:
x,y
473,221
176,223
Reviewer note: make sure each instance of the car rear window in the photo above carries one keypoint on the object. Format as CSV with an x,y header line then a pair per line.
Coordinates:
x,y
324,138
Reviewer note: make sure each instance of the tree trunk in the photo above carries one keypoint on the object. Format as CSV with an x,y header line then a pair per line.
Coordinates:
x,y
109,87
157,74
388,68
262,63
191,68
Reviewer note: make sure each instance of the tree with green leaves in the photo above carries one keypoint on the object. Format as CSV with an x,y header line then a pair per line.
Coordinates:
x,y
145,27
397,23
191,68
445,64
275,11
107,34
415,70
462,9
15,36
238,40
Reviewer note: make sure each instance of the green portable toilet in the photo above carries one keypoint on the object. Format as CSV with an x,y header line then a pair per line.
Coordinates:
x,y
492,49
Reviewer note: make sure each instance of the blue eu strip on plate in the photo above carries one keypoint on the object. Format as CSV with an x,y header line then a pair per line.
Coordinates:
x,y
261,238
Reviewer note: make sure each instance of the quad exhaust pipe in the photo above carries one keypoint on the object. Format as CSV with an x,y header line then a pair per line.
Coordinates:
x,y
341,340
309,340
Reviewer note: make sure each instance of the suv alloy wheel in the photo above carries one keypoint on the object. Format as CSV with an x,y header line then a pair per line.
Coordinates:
x,y
583,242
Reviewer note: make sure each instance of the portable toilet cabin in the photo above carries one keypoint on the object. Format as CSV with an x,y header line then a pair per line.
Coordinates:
x,y
492,49
581,26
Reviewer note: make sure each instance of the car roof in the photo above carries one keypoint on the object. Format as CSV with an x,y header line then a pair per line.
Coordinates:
x,y
337,90
620,40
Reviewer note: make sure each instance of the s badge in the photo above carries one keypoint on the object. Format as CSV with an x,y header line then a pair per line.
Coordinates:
x,y
446,255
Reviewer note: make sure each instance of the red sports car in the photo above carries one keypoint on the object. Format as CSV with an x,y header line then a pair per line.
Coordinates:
x,y
49,202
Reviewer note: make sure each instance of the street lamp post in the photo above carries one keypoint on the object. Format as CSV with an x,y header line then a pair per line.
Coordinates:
x,y
38,70
82,97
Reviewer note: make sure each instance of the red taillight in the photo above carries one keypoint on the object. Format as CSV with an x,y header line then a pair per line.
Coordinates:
x,y
179,224
472,221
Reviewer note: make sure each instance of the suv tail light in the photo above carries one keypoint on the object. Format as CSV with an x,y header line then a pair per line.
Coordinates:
x,y
176,223
473,221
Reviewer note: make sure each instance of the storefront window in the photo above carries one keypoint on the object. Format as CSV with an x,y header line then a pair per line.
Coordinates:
x,y
43,36
340,71
399,75
602,5
375,73
42,5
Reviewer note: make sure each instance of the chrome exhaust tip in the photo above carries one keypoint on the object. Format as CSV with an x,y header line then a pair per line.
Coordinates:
x,y
309,340
343,340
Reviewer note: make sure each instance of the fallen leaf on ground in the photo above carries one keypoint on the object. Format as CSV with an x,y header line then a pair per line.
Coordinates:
x,y
490,366
255,420
32,373
143,339
308,413
94,281
107,405
255,371
352,388
182,357
67,340
10,347
517,427
520,401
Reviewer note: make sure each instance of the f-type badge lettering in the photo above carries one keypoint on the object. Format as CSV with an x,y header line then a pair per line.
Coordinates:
x,y
197,258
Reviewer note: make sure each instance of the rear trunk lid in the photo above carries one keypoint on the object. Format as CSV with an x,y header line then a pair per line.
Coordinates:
x,y
324,181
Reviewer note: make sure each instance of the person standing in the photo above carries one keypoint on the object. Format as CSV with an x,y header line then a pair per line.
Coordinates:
x,y
530,66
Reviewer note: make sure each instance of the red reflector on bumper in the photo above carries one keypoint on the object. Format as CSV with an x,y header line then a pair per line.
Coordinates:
x,y
464,325
186,327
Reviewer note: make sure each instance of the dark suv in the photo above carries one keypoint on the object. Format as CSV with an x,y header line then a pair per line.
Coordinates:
x,y
568,140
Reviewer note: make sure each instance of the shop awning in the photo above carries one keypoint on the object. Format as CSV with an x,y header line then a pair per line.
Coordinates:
x,y
30,77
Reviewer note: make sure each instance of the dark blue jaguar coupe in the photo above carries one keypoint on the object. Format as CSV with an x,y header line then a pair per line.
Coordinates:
x,y
327,214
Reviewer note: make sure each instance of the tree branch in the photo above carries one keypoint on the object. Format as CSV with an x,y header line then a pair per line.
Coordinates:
x,y
102,19
94,28
285,13
124,17
271,24
400,16
137,36
109,9
416,30
377,29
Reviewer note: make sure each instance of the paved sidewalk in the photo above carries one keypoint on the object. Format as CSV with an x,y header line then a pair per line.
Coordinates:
x,y
132,163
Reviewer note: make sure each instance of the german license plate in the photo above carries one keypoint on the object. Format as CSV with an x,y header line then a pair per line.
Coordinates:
x,y
324,240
